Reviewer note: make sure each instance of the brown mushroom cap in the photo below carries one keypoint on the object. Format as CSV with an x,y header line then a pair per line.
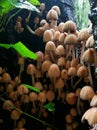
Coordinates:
x,y
87,93
31,69
93,102
50,46
90,42
45,65
90,116
50,95
69,26
61,27
60,50
83,35
52,14
57,9
71,39
54,71
82,71
88,56
32,96
48,36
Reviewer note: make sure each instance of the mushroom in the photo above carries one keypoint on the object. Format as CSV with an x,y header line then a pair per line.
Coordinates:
x,y
8,105
82,37
59,84
53,73
31,70
90,116
88,57
50,95
71,98
61,27
21,89
93,102
48,36
90,42
15,115
70,42
69,27
60,51
61,62
50,49
56,37
39,59
81,73
87,93
57,9
45,66
42,99
33,98
72,73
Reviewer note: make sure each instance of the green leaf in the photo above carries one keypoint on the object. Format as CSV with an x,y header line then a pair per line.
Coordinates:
x,y
21,49
24,51
50,106
34,2
5,7
6,46
32,88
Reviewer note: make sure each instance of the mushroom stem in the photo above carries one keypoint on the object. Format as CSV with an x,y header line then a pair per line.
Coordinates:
x,y
82,51
78,81
90,75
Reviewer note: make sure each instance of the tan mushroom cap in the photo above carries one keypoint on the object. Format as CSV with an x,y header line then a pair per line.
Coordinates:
x,y
88,56
54,71
48,35
69,27
90,116
87,93
93,102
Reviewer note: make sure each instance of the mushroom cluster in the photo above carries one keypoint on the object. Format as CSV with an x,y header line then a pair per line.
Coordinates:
x,y
61,73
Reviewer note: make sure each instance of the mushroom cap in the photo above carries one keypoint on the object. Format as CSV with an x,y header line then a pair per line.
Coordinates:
x,y
48,35
32,96
54,71
31,69
6,77
60,50
43,22
40,56
93,102
82,71
90,116
42,97
70,39
50,46
39,31
62,37
61,27
90,42
22,90
38,85
88,56
71,98
72,71
50,95
69,26
87,93
61,61
45,65
52,14
74,62
56,35
83,35
59,83
57,9
64,74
